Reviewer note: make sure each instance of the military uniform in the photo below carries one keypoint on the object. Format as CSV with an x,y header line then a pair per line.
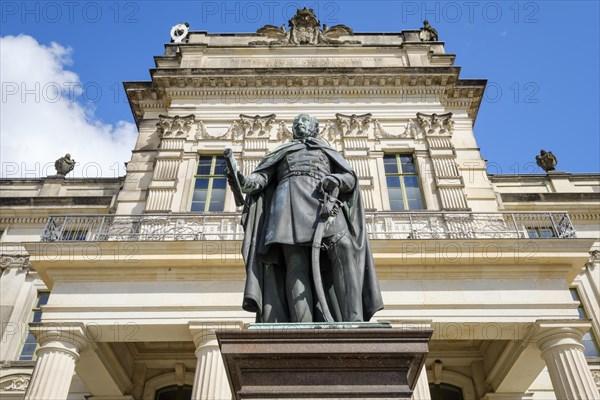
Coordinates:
x,y
293,212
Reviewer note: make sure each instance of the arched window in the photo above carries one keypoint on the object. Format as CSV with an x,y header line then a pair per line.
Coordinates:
x,y
174,392
444,391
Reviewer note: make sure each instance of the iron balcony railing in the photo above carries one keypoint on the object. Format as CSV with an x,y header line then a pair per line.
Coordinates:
x,y
380,225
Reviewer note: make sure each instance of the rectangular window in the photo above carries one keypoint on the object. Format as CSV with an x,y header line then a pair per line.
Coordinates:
x,y
30,344
540,233
403,182
589,339
74,234
209,184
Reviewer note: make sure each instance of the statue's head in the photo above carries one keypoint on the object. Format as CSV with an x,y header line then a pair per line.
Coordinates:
x,y
68,156
305,126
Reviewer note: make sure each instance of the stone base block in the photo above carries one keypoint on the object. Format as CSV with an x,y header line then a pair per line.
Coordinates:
x,y
323,361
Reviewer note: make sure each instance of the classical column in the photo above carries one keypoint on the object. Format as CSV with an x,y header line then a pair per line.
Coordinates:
x,y
210,379
53,372
421,391
561,349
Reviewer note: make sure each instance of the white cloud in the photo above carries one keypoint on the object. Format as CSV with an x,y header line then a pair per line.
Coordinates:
x,y
41,120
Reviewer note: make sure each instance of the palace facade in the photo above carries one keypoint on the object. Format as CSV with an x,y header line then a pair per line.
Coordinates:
x,y
112,289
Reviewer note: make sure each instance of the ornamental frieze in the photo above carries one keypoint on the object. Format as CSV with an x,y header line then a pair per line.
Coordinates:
x,y
266,128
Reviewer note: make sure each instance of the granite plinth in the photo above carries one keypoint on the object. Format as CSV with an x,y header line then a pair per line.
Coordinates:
x,y
304,362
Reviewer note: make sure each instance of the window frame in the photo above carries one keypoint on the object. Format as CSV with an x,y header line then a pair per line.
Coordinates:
x,y
211,176
584,314
37,308
539,230
401,175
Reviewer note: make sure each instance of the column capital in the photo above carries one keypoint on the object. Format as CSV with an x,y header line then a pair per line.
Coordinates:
x,y
204,331
552,333
68,338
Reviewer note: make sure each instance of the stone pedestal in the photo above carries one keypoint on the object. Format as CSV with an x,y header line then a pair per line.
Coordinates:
x,y
324,361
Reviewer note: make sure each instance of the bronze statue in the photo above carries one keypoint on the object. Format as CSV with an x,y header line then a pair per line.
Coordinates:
x,y
306,249
428,33
64,165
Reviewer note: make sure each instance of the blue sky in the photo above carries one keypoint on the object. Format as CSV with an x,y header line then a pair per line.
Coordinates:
x,y
541,59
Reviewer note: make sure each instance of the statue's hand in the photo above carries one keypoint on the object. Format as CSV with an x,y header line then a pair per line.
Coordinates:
x,y
329,183
240,176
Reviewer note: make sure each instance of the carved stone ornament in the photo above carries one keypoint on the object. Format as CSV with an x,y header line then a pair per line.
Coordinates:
x,y
593,260
180,32
379,132
428,33
305,29
202,133
64,165
546,160
15,383
168,126
283,133
328,132
353,125
596,376
248,126
14,261
436,124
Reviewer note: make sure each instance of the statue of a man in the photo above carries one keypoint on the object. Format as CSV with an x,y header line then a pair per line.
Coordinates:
x,y
301,188
64,165
428,33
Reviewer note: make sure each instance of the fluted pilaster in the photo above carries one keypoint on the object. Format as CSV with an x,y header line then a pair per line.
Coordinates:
x,y
421,391
55,365
210,379
561,349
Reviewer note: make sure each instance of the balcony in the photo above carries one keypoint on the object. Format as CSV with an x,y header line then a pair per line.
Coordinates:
x,y
380,225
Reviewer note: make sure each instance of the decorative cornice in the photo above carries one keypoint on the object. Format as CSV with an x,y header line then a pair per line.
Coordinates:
x,y
584,216
23,220
351,77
